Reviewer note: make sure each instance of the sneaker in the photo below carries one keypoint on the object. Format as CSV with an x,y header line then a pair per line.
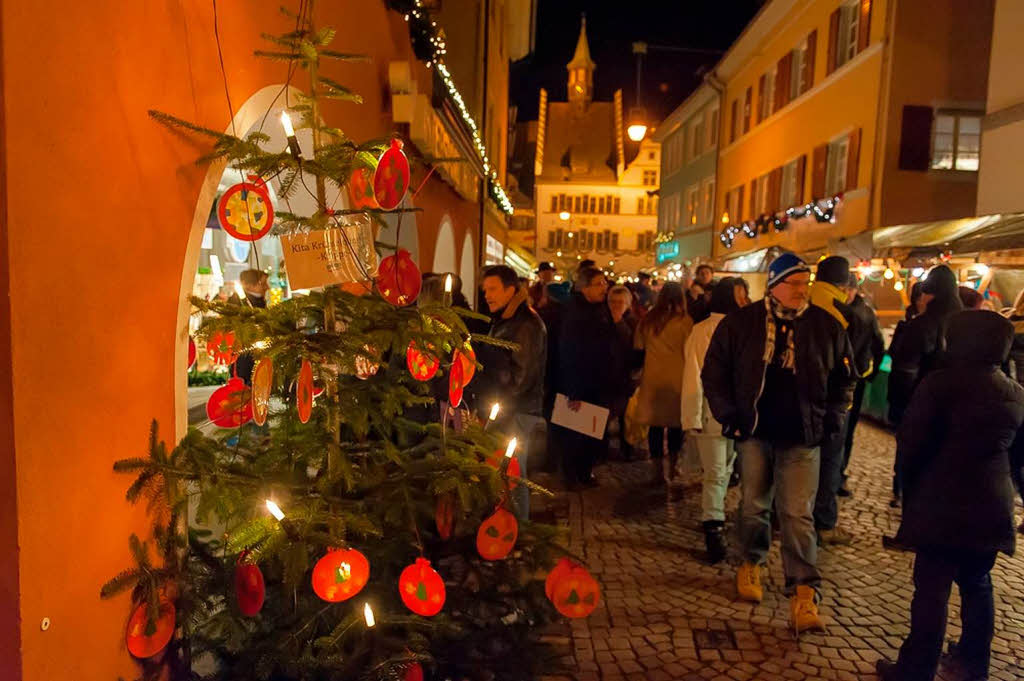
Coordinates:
x,y
836,537
714,540
803,611
748,583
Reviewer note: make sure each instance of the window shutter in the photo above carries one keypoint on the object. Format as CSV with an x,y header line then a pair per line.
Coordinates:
x,y
782,81
775,191
801,171
864,27
833,41
916,138
852,159
752,212
819,166
725,204
807,74
735,120
761,84
739,206
747,103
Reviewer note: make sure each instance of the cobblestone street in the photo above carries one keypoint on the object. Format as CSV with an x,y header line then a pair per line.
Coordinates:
x,y
667,615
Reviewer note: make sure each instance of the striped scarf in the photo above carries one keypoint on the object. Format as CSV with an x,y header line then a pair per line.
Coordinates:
x,y
778,314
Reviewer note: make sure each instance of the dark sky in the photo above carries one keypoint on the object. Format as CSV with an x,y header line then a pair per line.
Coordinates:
x,y
612,27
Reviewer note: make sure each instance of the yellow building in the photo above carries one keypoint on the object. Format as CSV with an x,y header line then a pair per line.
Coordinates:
x,y
876,101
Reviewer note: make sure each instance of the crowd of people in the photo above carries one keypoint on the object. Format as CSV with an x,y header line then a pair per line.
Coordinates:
x,y
770,392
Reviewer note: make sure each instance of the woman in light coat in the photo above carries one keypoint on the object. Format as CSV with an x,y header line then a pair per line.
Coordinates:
x,y
715,450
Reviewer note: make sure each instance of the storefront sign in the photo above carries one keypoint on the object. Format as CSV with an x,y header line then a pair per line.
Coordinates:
x,y
667,251
331,256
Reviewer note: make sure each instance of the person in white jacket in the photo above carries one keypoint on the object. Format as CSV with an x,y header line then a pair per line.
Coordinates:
x,y
714,449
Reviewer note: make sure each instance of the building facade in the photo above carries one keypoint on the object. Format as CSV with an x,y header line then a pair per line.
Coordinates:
x,y
689,157
589,203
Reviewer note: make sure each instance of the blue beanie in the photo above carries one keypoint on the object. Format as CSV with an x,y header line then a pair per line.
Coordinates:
x,y
783,266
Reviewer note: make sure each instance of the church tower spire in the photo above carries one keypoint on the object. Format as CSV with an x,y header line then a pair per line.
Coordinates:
x,y
581,72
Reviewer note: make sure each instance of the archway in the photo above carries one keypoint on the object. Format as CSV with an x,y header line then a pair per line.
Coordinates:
x,y
468,269
444,249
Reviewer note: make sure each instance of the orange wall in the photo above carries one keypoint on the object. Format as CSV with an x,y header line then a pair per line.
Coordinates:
x,y
100,201
837,104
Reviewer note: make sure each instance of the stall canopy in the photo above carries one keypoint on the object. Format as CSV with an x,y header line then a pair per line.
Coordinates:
x,y
967,235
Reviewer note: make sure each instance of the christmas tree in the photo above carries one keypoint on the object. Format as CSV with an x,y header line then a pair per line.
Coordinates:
x,y
296,546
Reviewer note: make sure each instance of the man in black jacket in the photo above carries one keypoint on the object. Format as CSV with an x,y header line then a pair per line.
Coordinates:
x,y
778,376
514,378
961,440
255,285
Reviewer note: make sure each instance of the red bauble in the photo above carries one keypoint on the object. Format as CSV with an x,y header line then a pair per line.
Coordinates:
x,y
456,384
142,645
398,279
245,211
413,672
360,189
467,358
249,587
340,575
391,179
561,569
497,535
513,470
191,354
230,406
222,348
422,589
577,593
444,515
422,365
304,391
262,380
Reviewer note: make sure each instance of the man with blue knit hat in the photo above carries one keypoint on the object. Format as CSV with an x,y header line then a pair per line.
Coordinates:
x,y
779,376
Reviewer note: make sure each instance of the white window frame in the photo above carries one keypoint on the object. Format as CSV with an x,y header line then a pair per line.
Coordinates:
x,y
699,133
957,153
762,194
692,199
767,102
797,69
707,194
713,127
734,204
788,185
849,32
835,166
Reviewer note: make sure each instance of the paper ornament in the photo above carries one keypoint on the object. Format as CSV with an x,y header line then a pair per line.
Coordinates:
x,y
513,470
222,348
245,211
304,391
340,575
421,588
192,353
391,179
143,645
497,535
576,594
230,405
422,365
456,384
562,568
250,590
444,515
360,189
262,381
399,279
413,672
466,356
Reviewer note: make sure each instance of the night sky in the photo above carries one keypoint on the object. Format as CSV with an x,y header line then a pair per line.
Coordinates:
x,y
612,27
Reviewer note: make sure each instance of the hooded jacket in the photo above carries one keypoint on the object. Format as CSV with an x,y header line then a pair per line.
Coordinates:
x,y
961,440
515,378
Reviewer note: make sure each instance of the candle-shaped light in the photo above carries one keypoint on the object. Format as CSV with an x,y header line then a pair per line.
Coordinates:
x,y
495,408
511,448
275,510
368,614
448,289
289,132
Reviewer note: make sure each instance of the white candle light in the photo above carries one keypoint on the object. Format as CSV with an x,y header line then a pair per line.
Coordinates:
x,y
511,448
448,283
368,614
275,510
286,121
495,408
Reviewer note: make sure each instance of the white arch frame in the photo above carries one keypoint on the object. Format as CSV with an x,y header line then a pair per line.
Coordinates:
x,y
444,247
468,269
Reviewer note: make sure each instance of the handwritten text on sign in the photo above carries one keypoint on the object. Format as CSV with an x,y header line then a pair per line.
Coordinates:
x,y
329,256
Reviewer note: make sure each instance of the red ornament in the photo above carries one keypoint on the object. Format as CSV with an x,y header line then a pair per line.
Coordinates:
x,y
222,348
340,575
230,406
422,365
245,211
360,189
249,587
413,672
191,354
444,515
391,179
398,279
304,391
467,358
513,470
142,644
422,589
456,384
497,535
262,380
577,593
561,569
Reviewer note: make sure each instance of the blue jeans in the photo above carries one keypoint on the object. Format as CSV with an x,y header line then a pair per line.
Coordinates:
x,y
523,426
794,471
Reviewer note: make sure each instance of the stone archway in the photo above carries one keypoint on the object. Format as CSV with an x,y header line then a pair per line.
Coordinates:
x,y
444,248
467,271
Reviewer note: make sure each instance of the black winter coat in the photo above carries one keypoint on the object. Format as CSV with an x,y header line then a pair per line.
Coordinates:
x,y
866,337
586,343
919,348
515,379
734,370
1017,349
960,442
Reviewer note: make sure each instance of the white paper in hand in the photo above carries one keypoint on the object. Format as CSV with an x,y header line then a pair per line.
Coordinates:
x,y
591,419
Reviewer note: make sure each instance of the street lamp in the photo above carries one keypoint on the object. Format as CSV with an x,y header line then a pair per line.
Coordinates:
x,y
564,216
637,121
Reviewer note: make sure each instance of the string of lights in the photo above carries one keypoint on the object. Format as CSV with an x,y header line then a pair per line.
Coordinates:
x,y
430,45
823,210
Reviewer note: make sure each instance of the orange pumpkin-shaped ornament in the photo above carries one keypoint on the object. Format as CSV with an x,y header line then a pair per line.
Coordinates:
x,y
421,588
142,643
340,575
497,535
304,391
250,589
222,348
399,279
577,593
360,189
230,406
456,384
562,568
467,358
444,515
245,211
262,380
391,179
423,366
413,672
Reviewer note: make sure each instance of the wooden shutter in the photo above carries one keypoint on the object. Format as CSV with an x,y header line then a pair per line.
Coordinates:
x,y
807,73
864,27
775,191
833,41
852,159
916,138
782,77
735,120
801,171
739,206
761,85
725,204
819,167
752,211
747,103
